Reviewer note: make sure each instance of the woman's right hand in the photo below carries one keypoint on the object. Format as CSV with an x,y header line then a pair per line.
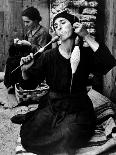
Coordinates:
x,y
27,62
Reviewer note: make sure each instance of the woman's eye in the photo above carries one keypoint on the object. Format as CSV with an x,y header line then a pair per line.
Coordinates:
x,y
59,24
63,22
26,21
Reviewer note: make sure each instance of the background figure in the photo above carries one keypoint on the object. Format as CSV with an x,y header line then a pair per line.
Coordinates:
x,y
36,37
65,119
36,34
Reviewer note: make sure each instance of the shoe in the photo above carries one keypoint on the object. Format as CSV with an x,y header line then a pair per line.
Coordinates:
x,y
18,119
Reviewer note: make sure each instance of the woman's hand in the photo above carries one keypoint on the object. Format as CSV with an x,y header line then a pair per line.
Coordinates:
x,y
23,42
80,29
27,62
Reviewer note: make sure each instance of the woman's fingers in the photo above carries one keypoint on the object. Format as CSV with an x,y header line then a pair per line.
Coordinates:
x,y
27,59
77,27
25,42
26,62
80,29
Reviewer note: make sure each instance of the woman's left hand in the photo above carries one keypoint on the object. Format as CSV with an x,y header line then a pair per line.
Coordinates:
x,y
25,42
80,29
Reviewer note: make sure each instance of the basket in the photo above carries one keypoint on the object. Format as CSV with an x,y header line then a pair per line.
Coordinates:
x,y
26,95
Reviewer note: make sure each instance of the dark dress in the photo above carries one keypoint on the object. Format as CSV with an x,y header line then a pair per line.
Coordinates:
x,y
65,118
15,52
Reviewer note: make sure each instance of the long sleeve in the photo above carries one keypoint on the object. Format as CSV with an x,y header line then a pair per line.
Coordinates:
x,y
35,74
103,60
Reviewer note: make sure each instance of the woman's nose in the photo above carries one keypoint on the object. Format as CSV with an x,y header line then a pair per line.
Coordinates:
x,y
26,24
59,27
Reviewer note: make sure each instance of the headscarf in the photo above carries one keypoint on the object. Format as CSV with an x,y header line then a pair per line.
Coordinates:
x,y
64,14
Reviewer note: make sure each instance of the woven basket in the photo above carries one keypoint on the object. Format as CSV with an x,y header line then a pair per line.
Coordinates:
x,y
25,95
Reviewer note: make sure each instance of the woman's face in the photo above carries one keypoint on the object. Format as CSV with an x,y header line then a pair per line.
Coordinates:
x,y
27,22
63,28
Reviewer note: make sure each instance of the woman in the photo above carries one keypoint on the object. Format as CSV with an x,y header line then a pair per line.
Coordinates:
x,y
36,37
65,119
36,34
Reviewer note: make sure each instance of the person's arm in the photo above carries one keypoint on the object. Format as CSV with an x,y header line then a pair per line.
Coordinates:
x,y
33,70
29,78
91,42
26,63
82,32
103,60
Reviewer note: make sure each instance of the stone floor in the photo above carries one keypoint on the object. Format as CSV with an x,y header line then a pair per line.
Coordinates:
x,y
8,131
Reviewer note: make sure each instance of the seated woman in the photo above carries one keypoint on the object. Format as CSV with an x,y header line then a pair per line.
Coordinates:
x,y
65,119
35,33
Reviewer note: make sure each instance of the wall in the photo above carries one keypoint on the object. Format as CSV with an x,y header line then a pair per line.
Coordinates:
x,y
109,83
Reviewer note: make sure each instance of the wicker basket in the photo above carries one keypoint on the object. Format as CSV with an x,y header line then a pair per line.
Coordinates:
x,y
25,95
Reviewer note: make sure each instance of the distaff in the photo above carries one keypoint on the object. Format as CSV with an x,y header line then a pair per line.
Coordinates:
x,y
39,51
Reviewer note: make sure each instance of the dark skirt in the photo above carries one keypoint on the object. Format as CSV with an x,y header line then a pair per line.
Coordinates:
x,y
49,131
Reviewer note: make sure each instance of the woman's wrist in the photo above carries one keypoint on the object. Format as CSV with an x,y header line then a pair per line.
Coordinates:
x,y
91,42
24,75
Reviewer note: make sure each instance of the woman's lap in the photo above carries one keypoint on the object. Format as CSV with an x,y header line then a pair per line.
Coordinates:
x,y
45,132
